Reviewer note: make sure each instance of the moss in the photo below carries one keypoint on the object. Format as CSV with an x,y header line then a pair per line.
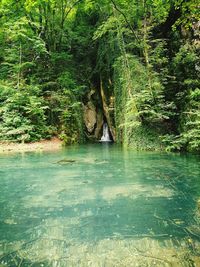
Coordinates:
x,y
144,138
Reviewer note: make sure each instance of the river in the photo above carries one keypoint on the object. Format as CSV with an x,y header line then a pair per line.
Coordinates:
x,y
99,205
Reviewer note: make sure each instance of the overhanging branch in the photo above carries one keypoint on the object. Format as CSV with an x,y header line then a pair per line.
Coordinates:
x,y
125,18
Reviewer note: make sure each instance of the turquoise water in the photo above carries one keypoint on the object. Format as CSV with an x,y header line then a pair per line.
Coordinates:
x,y
99,205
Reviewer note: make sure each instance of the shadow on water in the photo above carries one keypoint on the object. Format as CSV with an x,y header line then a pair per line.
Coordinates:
x,y
99,205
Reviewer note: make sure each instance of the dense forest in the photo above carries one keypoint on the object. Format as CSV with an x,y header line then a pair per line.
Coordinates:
x,y
68,66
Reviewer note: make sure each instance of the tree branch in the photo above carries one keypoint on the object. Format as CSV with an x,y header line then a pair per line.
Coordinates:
x,y
129,24
70,9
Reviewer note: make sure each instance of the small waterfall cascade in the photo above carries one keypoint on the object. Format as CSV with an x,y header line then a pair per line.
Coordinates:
x,y
106,136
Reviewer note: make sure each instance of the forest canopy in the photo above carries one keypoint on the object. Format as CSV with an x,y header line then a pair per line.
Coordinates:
x,y
68,66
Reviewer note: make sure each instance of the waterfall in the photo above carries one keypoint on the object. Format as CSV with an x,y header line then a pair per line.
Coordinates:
x,y
106,136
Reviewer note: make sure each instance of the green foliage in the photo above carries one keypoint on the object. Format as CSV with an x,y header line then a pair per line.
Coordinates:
x,y
65,113
189,138
145,137
191,127
186,70
137,103
21,50
189,12
22,115
145,54
184,63
40,94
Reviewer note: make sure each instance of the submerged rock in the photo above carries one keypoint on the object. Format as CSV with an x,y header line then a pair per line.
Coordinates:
x,y
101,161
9,221
87,161
66,161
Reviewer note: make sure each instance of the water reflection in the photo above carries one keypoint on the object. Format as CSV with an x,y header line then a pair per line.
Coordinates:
x,y
99,206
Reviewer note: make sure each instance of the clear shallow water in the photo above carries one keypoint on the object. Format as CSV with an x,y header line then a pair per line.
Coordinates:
x,y
99,205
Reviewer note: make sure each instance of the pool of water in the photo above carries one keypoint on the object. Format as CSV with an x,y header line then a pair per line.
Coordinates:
x,y
99,205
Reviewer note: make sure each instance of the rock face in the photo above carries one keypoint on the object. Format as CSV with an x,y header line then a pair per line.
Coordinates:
x,y
99,126
108,110
96,112
93,119
90,117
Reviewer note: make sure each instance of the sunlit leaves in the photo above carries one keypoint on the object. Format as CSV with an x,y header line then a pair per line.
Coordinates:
x,y
190,12
109,25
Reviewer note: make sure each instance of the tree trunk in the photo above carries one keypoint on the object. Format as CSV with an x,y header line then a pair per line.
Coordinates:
x,y
20,63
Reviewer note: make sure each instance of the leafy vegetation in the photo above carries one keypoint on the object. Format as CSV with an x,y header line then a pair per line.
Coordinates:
x,y
142,57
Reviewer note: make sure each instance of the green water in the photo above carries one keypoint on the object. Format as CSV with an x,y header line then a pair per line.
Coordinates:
x,y
98,205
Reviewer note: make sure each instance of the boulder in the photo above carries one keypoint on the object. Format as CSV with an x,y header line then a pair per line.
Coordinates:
x,y
90,116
